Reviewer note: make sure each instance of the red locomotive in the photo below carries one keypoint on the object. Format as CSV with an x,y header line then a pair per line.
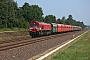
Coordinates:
x,y
39,28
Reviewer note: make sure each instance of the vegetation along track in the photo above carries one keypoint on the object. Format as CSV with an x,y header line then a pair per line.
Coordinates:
x,y
18,43
13,36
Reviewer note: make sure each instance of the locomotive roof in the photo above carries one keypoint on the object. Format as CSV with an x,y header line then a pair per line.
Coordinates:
x,y
41,22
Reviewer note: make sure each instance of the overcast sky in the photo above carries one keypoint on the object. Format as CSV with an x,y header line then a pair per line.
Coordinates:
x,y
79,9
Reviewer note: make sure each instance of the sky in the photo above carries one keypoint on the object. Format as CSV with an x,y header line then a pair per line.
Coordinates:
x,y
79,9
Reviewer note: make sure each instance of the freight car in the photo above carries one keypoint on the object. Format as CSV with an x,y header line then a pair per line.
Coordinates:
x,y
40,28
54,28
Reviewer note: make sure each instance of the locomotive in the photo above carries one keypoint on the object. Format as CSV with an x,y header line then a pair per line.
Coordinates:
x,y
40,28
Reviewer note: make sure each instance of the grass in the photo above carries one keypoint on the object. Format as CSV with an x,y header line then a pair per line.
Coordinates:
x,y
78,51
13,29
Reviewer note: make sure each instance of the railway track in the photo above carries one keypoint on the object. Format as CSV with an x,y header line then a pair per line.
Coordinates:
x,y
6,45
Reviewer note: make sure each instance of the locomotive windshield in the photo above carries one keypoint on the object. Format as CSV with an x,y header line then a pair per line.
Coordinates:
x,y
32,25
36,25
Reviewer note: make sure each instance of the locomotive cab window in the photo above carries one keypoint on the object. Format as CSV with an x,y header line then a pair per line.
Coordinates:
x,y
36,25
31,25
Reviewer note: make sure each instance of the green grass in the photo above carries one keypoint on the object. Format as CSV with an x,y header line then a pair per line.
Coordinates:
x,y
78,51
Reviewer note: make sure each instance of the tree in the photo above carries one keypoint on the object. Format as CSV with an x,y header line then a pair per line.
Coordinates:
x,y
33,12
70,18
13,16
50,19
2,13
58,21
80,24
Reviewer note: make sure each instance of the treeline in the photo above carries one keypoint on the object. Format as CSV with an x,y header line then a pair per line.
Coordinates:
x,y
12,16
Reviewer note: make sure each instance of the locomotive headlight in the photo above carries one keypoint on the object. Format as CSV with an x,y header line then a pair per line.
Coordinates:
x,y
36,27
40,28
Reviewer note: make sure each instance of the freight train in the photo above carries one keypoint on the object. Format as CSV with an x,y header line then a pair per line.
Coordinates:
x,y
40,28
